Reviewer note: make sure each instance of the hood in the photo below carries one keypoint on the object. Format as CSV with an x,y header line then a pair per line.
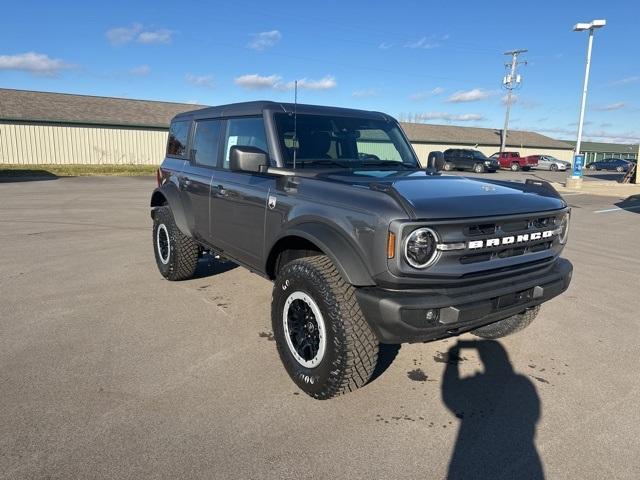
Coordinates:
x,y
441,197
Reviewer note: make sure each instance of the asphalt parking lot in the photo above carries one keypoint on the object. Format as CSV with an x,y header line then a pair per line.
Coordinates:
x,y
109,371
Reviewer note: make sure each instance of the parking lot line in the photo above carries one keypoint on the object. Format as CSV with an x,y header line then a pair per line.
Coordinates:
x,y
617,209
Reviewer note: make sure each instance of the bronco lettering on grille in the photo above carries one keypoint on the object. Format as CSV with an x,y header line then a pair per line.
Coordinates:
x,y
511,240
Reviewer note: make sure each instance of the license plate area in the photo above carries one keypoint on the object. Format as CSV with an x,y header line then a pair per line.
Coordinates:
x,y
515,298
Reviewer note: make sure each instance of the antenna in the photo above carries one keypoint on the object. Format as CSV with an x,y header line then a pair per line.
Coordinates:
x,y
295,122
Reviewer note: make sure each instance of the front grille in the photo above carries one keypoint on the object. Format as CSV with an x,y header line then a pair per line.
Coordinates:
x,y
482,254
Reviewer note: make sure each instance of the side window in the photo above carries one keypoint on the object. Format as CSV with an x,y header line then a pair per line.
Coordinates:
x,y
177,143
244,131
206,142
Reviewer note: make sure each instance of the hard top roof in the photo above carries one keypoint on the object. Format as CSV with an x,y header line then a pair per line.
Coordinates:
x,y
258,107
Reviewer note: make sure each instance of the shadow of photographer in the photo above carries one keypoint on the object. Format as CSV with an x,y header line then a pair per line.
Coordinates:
x,y
498,411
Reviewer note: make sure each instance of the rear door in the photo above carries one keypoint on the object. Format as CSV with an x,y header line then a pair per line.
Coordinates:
x,y
239,199
198,175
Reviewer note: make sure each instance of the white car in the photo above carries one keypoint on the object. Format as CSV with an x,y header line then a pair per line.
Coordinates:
x,y
547,162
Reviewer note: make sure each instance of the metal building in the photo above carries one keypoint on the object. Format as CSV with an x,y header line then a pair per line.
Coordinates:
x,y
426,138
594,151
57,128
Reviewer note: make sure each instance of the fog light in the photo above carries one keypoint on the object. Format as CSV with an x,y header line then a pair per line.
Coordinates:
x,y
431,314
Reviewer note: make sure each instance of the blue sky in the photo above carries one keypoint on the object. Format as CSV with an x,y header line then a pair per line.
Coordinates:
x,y
439,61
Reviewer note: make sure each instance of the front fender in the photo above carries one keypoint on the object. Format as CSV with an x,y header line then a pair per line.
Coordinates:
x,y
339,249
169,194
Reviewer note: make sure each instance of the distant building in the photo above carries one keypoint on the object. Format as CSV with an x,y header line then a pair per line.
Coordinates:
x,y
57,128
595,151
426,138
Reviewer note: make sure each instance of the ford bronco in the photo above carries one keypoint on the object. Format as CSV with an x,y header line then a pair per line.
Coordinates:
x,y
364,246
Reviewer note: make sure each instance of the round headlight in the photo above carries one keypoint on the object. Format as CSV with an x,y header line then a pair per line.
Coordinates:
x,y
420,248
564,228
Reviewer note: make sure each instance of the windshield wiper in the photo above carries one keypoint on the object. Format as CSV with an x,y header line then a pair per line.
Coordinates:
x,y
324,161
387,163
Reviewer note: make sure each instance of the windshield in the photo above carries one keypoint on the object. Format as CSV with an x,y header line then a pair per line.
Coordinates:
x,y
480,155
346,142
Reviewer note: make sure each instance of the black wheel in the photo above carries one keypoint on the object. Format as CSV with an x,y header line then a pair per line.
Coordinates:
x,y
176,254
507,326
515,167
323,339
619,169
591,167
553,167
478,168
447,166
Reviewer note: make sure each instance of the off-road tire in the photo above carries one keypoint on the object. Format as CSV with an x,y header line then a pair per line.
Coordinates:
x,y
478,168
183,251
507,326
515,166
351,349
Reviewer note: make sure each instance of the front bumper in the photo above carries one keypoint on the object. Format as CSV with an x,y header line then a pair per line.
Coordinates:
x,y
402,316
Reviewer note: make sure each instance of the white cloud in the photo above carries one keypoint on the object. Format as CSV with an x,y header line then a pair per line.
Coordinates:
x,y
140,71
264,40
470,95
156,36
260,82
200,80
34,63
423,43
385,46
325,83
370,92
137,32
610,107
416,97
523,102
257,82
450,117
625,81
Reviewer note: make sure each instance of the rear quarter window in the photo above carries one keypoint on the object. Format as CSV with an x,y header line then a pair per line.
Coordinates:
x,y
177,142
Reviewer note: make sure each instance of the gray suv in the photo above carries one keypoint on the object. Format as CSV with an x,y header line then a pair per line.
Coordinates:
x,y
364,246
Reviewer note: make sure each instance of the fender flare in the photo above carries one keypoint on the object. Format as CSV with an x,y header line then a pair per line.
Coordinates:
x,y
169,194
337,247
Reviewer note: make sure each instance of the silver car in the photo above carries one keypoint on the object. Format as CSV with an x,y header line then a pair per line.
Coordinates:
x,y
547,162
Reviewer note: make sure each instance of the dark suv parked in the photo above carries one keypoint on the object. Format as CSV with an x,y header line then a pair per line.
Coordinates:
x,y
468,159
364,246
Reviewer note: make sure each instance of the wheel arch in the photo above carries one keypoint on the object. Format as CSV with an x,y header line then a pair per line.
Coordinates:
x,y
312,238
168,196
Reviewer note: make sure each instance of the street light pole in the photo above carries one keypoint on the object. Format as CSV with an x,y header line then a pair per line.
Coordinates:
x,y
578,159
584,92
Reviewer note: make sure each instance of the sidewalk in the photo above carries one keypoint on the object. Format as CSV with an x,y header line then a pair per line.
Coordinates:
x,y
604,188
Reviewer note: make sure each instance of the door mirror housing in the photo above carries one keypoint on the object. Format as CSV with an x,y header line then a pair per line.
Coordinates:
x,y
435,162
243,158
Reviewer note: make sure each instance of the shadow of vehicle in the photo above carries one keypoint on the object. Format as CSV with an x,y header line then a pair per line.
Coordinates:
x,y
209,266
386,355
26,175
630,204
498,411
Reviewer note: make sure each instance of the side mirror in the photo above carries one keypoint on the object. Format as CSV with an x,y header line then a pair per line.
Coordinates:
x,y
243,158
435,161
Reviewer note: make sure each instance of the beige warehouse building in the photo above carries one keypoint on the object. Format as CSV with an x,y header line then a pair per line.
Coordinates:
x,y
56,128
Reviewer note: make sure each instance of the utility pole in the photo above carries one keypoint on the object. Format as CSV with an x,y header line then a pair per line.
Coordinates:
x,y
510,82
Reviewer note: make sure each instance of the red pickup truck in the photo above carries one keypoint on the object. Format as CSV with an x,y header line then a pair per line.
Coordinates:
x,y
513,160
